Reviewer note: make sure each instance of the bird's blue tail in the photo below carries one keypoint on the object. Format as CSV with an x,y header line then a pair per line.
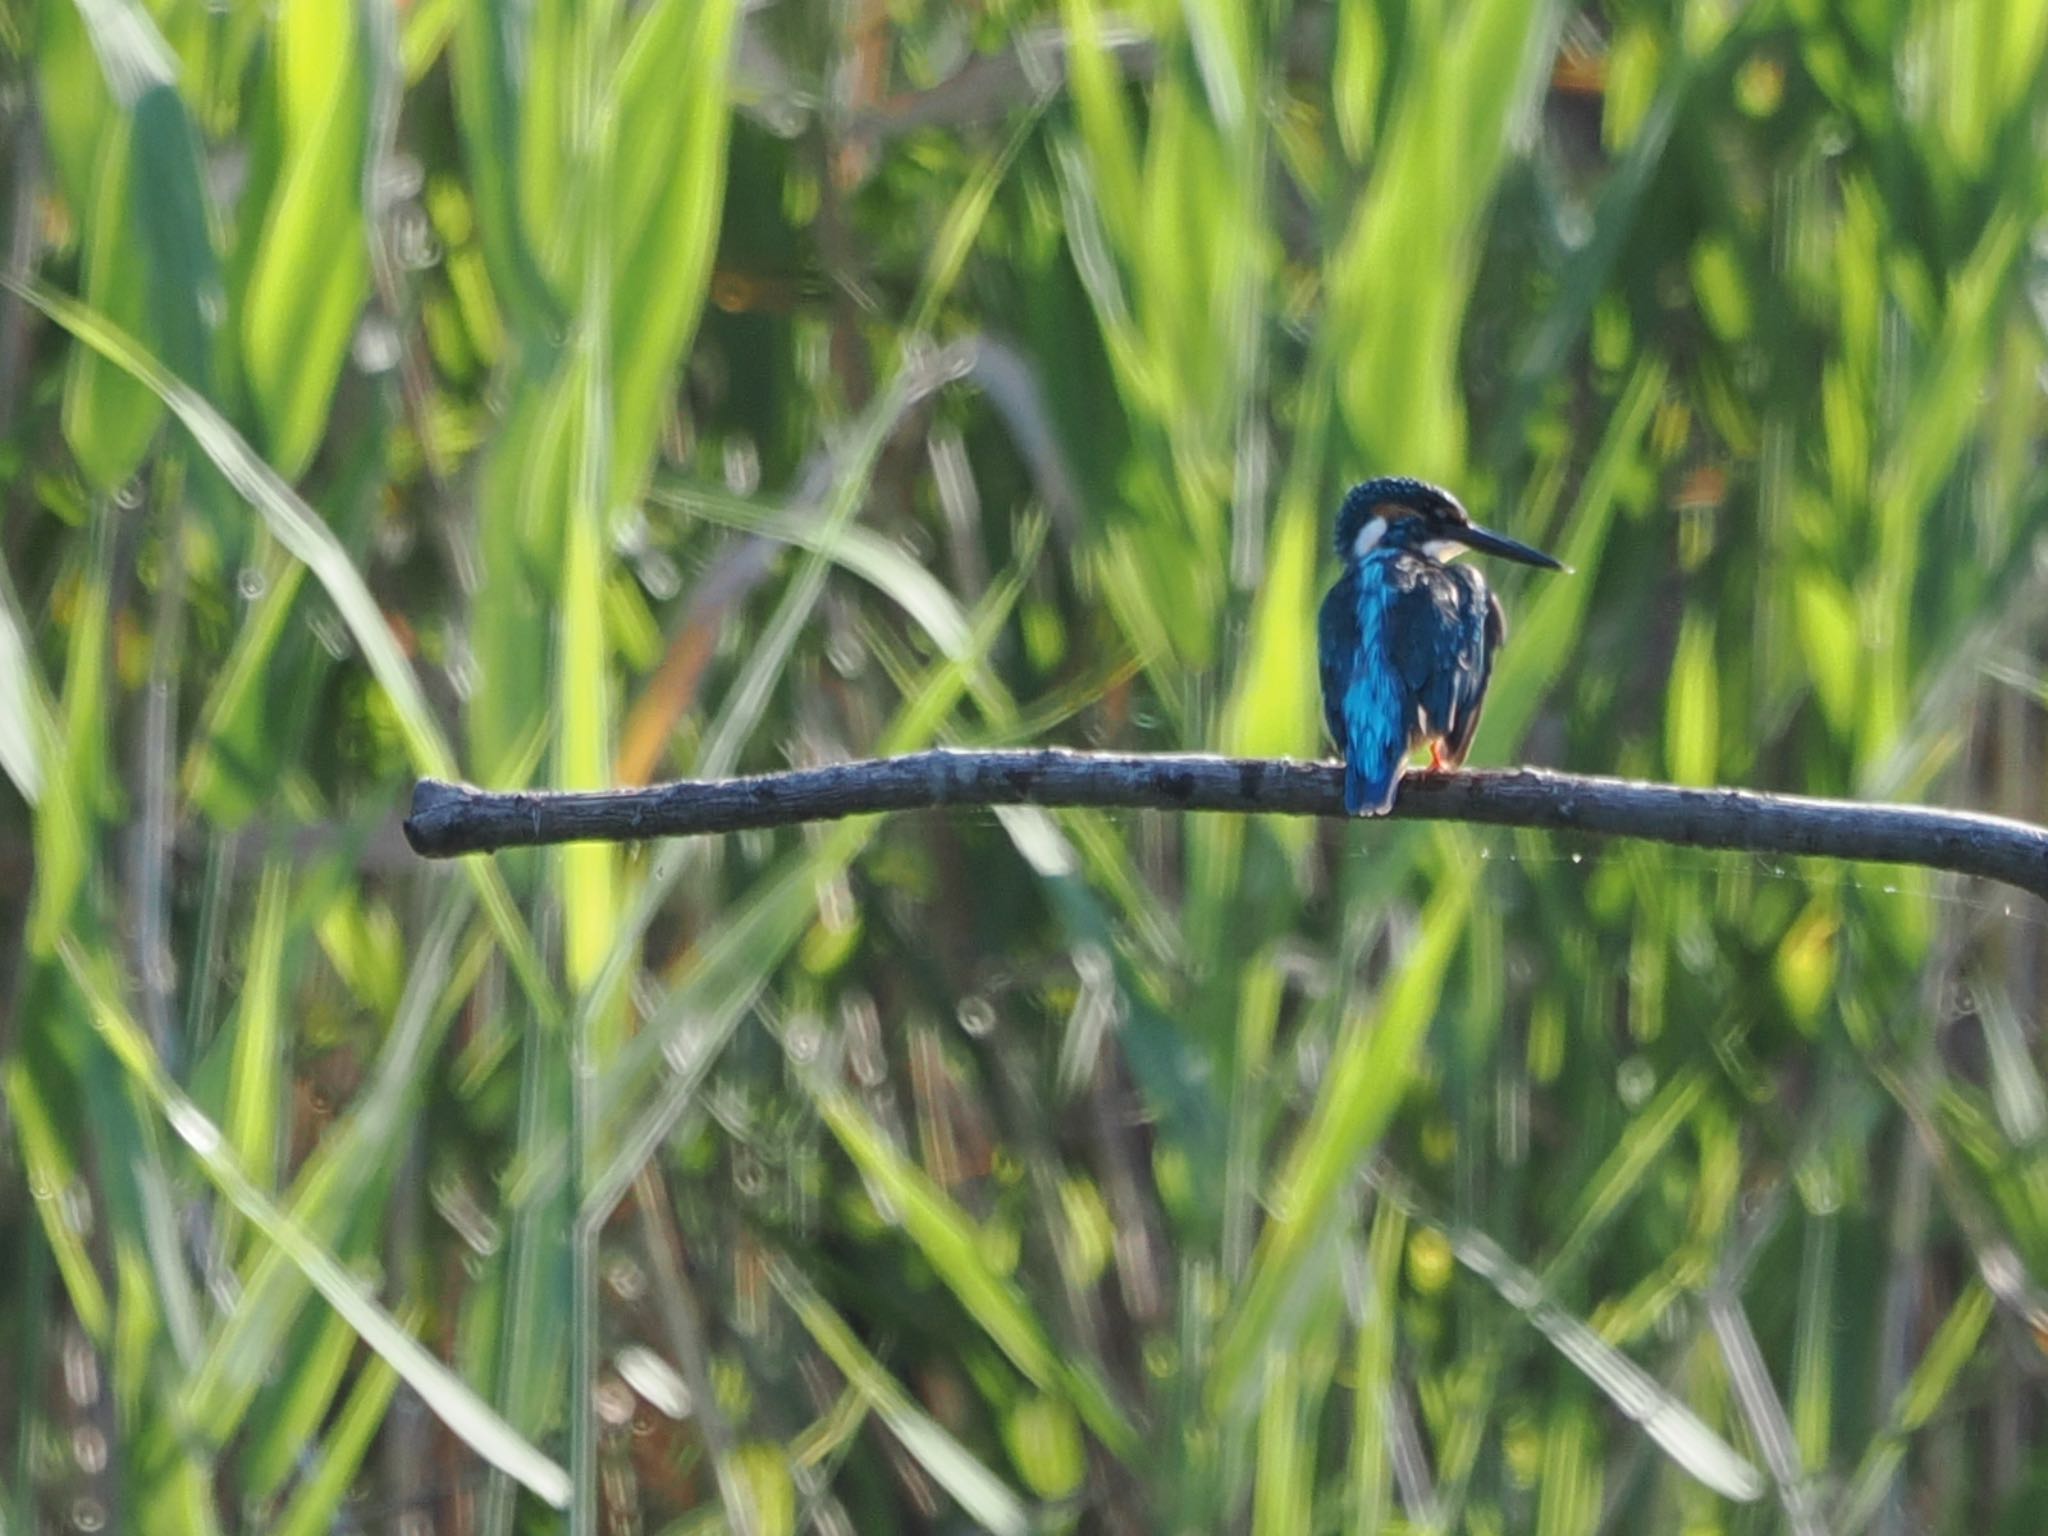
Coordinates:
x,y
1369,786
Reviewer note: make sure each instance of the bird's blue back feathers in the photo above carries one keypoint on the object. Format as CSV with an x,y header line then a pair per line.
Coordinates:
x,y
1362,700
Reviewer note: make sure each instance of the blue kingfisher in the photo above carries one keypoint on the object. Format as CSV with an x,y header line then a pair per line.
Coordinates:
x,y
1407,639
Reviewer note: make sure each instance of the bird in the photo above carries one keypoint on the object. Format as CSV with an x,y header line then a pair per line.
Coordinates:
x,y
1406,639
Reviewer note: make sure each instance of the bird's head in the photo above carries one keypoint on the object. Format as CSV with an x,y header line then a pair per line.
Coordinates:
x,y
1396,512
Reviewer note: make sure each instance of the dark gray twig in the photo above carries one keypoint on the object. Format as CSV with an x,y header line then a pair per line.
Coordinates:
x,y
449,819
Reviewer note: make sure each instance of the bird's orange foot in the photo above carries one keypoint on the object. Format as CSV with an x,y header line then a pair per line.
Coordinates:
x,y
1436,757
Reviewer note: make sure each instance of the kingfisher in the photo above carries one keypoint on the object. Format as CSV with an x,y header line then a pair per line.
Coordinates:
x,y
1407,639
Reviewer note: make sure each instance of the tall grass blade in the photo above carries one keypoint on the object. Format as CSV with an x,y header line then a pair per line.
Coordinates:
x,y
311,268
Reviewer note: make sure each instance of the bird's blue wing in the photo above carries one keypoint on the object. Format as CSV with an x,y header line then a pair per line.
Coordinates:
x,y
1439,620
1486,627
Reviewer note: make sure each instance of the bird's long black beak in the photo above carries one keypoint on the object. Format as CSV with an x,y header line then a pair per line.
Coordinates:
x,y
1486,541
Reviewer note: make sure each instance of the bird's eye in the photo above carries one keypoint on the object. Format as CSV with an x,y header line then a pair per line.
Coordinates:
x,y
1369,537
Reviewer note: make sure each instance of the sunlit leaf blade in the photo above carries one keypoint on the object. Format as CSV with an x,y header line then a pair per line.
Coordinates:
x,y
323,1491
1693,721
583,706
279,1439
75,750
1813,1385
311,270
40,1097
255,1079
1450,133
76,103
1286,1470
488,41
673,111
1371,1468
1570,1497
21,746
1106,129
1273,713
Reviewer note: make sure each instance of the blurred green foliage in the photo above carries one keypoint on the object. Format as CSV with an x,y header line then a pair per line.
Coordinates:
x,y
683,387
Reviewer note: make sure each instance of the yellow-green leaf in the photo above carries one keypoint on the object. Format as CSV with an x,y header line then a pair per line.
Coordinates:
x,y
670,184
1692,721
109,418
312,269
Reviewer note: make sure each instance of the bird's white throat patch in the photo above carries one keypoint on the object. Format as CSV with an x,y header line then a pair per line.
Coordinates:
x,y
1369,537
1444,549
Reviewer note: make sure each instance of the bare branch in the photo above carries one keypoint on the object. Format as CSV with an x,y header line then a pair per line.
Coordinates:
x,y
449,819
